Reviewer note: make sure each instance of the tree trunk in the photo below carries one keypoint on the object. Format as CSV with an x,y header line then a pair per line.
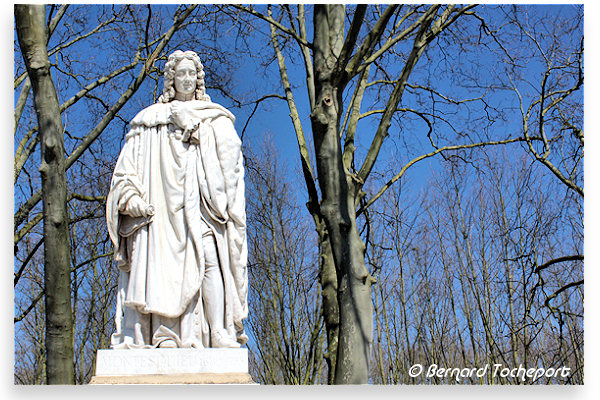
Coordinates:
x,y
331,309
338,203
31,32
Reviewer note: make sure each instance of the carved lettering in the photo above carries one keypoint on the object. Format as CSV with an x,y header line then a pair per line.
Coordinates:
x,y
172,361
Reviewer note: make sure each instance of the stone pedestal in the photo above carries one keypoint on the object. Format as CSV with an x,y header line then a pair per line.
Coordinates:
x,y
172,366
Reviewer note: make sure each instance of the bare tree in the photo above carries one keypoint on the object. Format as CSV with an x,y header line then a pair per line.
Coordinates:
x,y
374,58
31,24
456,281
286,320
554,110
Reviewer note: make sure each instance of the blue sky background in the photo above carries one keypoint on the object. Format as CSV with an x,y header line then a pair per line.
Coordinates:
x,y
272,116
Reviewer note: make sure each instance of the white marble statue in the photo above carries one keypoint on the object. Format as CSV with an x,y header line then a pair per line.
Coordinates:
x,y
176,215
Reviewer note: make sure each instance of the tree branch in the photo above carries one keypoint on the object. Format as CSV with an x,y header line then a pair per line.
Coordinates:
x,y
26,261
308,65
562,289
31,306
383,128
366,48
354,116
390,42
424,156
26,147
307,170
23,95
256,104
351,36
558,260
275,24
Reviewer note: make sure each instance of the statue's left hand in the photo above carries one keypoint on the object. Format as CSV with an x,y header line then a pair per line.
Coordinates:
x,y
137,207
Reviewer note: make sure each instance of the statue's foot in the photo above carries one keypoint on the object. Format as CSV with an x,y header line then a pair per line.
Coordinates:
x,y
219,339
168,344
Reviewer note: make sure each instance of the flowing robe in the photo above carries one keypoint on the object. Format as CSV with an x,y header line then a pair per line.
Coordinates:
x,y
190,170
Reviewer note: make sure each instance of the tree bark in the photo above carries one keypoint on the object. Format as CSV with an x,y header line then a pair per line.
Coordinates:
x,y
338,202
331,309
31,32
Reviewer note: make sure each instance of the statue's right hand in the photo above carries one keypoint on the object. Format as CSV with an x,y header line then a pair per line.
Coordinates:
x,y
175,109
137,207
180,117
177,114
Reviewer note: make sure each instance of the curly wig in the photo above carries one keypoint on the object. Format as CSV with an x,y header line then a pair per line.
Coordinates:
x,y
169,85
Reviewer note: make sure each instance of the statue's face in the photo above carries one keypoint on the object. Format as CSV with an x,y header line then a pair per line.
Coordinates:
x,y
185,77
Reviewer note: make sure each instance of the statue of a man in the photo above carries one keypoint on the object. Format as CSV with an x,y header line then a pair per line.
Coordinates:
x,y
176,215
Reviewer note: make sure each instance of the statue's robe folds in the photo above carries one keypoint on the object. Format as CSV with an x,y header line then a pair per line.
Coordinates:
x,y
192,174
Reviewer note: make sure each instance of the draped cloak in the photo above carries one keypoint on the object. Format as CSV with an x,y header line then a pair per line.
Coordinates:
x,y
190,170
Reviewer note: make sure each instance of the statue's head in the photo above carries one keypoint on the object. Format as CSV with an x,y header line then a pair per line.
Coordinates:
x,y
178,62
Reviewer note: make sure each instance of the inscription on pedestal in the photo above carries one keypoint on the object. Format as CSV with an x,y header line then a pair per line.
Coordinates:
x,y
171,361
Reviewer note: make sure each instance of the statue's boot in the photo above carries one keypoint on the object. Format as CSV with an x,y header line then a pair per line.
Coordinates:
x,y
222,339
168,344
